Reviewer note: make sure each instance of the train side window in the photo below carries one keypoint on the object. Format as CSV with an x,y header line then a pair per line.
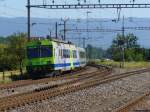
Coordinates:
x,y
64,53
68,53
74,54
82,54
60,52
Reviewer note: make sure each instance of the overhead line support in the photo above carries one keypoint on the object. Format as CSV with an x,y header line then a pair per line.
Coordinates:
x,y
91,6
78,6
29,20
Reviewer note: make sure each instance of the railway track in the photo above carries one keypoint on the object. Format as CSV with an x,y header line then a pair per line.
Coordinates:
x,y
22,83
130,104
78,78
47,92
44,93
49,82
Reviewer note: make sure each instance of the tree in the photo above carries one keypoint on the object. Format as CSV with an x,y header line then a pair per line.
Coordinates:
x,y
132,50
94,52
89,51
131,41
17,49
128,41
4,60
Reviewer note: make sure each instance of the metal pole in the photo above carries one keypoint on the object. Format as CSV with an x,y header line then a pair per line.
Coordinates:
x,y
123,34
29,20
88,23
56,30
50,33
84,42
65,21
64,29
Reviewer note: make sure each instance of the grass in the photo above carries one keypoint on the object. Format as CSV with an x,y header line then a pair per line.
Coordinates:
x,y
7,80
127,64
8,75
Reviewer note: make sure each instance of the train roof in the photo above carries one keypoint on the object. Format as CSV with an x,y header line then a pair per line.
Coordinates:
x,y
81,49
47,42
61,41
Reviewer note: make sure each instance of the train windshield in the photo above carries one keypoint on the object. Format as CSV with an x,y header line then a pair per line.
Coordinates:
x,y
39,52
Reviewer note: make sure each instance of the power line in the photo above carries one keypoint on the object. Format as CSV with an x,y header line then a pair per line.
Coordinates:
x,y
94,30
138,28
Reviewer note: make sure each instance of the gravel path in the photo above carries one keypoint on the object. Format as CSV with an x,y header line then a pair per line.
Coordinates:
x,y
103,98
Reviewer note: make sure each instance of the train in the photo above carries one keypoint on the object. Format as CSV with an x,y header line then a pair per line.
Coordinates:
x,y
54,57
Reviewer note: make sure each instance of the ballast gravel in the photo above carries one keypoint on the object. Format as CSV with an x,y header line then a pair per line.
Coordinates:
x,y
103,98
31,87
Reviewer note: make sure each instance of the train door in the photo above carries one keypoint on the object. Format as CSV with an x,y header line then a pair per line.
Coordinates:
x,y
60,61
71,59
63,57
56,57
78,58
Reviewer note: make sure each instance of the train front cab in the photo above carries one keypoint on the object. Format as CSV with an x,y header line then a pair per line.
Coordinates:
x,y
39,58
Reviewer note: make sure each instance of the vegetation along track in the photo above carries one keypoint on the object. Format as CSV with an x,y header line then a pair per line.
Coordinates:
x,y
84,82
45,80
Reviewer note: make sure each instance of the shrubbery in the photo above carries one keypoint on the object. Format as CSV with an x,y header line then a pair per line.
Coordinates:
x,y
12,52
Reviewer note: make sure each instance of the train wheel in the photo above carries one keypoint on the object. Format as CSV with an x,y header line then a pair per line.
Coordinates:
x,y
55,73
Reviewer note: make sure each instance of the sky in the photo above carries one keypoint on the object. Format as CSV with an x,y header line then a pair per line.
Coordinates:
x,y
16,8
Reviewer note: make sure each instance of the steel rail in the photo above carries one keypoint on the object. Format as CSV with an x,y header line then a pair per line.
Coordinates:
x,y
131,103
12,101
80,77
42,95
22,83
